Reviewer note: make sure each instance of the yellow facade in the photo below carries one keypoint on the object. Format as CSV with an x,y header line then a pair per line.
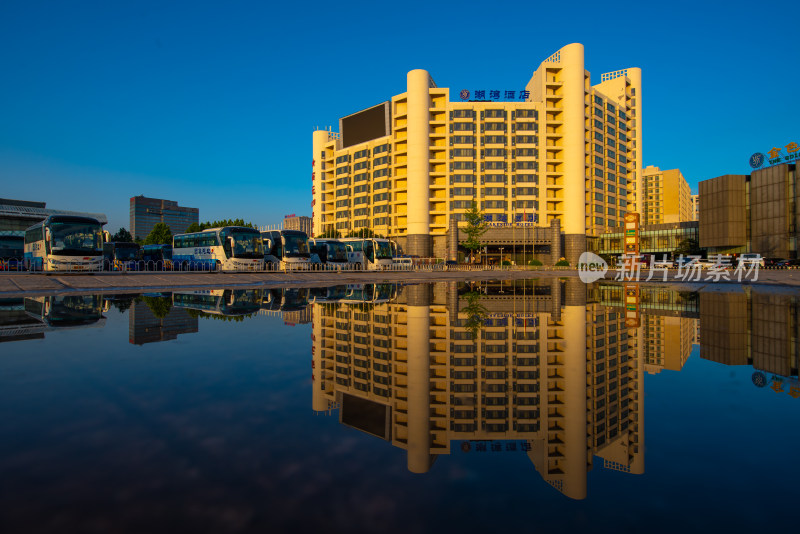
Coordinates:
x,y
569,151
667,197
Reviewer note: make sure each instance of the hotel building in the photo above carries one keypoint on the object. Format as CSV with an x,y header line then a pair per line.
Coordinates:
x,y
147,212
559,154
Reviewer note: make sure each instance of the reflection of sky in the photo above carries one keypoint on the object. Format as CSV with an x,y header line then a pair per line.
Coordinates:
x,y
215,431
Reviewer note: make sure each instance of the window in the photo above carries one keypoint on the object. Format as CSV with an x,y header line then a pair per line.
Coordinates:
x,y
599,220
361,165
598,160
381,209
611,130
379,149
468,165
343,170
360,200
598,184
495,165
462,191
342,159
495,153
598,100
528,191
526,139
342,203
380,185
598,124
598,172
361,154
463,114
462,178
598,136
494,179
381,161
611,154
527,126
494,127
527,114
527,178
361,212
360,177
363,188
342,181
527,153
598,112
462,139
462,127
494,191
598,197
462,153
380,197
380,172
494,140
495,113
534,165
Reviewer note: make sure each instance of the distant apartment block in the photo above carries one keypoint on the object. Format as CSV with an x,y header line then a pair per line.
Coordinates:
x,y
146,212
297,222
695,207
666,196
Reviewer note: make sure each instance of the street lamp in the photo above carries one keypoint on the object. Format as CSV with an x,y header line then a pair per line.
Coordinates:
x,y
501,256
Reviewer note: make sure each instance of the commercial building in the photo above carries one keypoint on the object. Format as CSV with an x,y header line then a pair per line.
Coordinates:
x,y
147,212
295,222
666,196
17,215
557,151
695,207
751,213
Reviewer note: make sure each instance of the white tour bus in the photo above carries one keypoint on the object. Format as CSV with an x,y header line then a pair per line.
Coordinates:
x,y
329,252
232,248
372,254
286,249
226,302
64,243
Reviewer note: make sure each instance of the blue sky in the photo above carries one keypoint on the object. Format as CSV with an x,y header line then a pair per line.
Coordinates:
x,y
212,104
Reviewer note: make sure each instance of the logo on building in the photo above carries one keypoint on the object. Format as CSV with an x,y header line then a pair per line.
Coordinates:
x,y
591,267
464,94
757,160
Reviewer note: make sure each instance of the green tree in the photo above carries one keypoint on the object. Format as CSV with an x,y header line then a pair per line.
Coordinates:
x,y
194,227
330,234
476,313
364,233
122,235
159,306
476,227
160,235
688,247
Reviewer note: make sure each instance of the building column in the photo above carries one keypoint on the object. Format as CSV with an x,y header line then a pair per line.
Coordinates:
x,y
555,241
574,139
320,137
419,382
418,200
575,446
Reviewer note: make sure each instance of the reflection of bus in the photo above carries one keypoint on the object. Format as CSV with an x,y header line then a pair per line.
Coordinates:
x,y
374,293
285,299
328,294
371,253
232,248
12,251
286,248
157,257
329,251
220,301
66,311
64,243
121,256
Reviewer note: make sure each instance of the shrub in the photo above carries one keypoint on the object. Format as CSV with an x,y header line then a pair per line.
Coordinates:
x,y
562,263
506,262
535,263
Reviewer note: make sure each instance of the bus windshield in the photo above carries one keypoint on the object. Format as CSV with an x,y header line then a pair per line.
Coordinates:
x,y
247,244
126,253
76,238
11,247
295,245
384,250
337,251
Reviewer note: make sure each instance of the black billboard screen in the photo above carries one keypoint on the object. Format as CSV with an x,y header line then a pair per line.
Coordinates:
x,y
365,125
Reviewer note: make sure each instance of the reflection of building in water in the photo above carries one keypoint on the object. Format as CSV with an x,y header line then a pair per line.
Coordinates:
x,y
15,324
546,368
30,318
761,331
302,316
668,323
145,327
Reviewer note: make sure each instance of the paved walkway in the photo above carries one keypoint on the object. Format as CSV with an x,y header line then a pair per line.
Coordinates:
x,y
19,284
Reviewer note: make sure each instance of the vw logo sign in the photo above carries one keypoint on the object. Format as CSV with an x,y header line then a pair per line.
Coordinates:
x,y
757,160
464,94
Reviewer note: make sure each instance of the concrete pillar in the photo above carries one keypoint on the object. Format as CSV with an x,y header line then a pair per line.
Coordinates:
x,y
555,241
573,77
318,401
575,446
418,203
419,402
452,240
